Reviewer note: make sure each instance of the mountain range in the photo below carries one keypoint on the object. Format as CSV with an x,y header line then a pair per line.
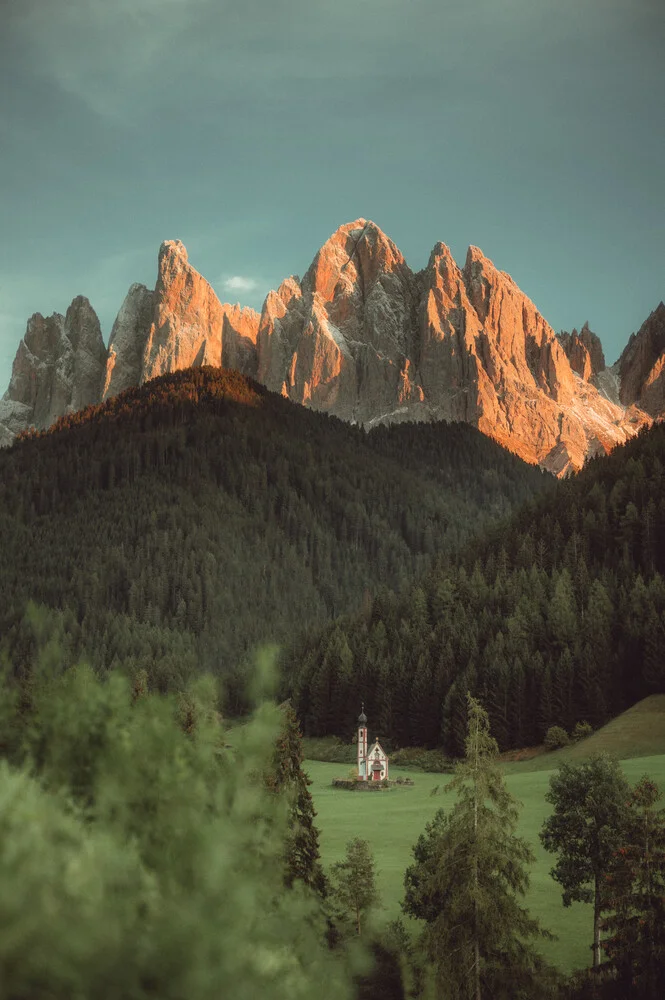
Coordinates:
x,y
365,338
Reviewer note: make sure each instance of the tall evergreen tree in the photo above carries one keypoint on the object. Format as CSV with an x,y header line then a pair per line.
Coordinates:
x,y
354,883
635,898
585,829
467,880
302,857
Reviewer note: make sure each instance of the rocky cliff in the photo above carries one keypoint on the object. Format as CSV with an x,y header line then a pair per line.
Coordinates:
x,y
365,338
642,366
58,368
584,351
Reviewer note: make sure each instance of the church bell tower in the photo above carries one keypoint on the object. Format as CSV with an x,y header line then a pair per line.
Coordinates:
x,y
362,744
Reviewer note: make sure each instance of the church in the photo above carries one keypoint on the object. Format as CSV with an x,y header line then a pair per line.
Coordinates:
x,y
372,763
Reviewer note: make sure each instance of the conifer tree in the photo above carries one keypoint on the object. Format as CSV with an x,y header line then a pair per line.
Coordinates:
x,y
302,858
585,829
469,872
635,898
354,882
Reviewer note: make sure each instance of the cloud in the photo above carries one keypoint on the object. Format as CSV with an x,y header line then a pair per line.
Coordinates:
x,y
239,283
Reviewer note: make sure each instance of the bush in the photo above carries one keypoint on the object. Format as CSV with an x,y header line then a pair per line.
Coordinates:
x,y
434,761
330,749
581,731
555,738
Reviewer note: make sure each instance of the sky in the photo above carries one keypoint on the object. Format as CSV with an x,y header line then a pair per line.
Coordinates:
x,y
252,129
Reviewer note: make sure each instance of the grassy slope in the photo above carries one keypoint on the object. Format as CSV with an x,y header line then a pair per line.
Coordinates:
x,y
392,821
638,732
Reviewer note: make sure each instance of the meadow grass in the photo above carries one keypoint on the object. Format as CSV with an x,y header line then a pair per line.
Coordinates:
x,y
393,820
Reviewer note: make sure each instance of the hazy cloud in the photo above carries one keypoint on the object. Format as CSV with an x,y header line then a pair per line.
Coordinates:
x,y
239,283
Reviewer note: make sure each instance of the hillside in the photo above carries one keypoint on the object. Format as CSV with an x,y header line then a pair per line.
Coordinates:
x,y
179,524
637,732
554,618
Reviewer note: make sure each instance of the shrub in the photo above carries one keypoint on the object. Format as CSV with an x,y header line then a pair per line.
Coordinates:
x,y
330,749
555,738
581,731
434,761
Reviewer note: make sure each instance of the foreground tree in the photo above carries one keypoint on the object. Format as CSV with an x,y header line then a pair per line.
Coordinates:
x,y
139,860
585,829
635,898
301,856
354,882
469,872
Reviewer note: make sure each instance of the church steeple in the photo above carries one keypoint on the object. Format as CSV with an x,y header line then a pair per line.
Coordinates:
x,y
362,743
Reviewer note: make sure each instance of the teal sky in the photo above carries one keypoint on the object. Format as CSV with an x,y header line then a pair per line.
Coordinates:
x,y
534,129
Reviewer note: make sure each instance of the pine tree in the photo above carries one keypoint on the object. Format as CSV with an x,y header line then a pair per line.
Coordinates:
x,y
635,898
301,856
585,829
469,872
354,882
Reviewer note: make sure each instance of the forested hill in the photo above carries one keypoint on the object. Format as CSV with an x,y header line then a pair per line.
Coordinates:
x,y
181,523
556,618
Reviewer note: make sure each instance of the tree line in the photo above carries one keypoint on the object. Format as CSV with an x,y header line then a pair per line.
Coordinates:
x,y
556,618
149,850
182,523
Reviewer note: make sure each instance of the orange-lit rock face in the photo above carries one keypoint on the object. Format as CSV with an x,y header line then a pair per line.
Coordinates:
x,y
642,364
584,351
366,339
188,317
343,339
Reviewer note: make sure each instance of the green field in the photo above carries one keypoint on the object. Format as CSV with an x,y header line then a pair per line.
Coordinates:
x,y
392,821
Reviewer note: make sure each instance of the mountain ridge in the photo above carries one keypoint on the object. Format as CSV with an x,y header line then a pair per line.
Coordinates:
x,y
365,338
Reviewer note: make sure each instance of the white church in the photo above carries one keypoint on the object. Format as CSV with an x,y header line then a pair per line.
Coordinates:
x,y
372,763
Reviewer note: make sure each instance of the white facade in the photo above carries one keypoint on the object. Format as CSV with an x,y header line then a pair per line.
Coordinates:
x,y
372,763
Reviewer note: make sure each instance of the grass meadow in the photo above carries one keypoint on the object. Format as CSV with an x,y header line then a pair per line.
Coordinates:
x,y
392,821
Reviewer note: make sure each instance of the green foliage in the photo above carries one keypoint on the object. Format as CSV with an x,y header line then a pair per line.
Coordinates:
x,y
465,884
555,738
251,519
329,748
353,883
433,761
586,827
139,858
555,616
286,775
581,731
634,898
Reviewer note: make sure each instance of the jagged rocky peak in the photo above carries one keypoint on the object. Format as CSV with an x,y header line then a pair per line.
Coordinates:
x,y
58,368
84,366
187,319
364,338
367,286
280,326
341,340
124,364
584,351
179,324
642,366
